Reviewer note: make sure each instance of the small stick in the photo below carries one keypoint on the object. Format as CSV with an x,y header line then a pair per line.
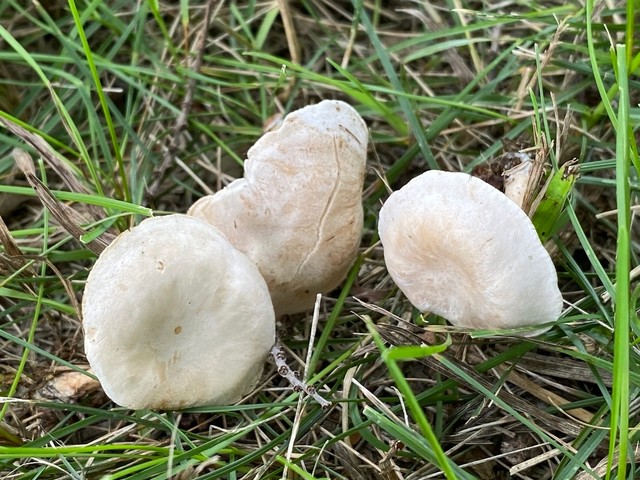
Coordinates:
x,y
300,407
312,336
185,107
280,359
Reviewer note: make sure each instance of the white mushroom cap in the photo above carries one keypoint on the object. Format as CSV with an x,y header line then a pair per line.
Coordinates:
x,y
174,316
459,248
297,213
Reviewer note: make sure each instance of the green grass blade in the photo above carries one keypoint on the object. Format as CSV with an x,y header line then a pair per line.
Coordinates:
x,y
619,436
63,111
551,206
125,192
101,201
505,406
322,342
447,466
595,68
405,105
412,440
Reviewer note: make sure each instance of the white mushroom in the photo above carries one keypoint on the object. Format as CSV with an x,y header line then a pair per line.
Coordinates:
x,y
461,249
517,180
174,316
297,213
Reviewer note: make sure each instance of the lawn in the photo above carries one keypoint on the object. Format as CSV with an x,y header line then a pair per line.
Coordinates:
x,y
111,112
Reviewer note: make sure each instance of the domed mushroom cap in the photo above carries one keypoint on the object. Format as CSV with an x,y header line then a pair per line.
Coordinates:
x,y
461,249
174,316
297,213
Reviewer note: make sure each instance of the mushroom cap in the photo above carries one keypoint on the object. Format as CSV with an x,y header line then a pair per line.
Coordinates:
x,y
174,316
459,248
297,213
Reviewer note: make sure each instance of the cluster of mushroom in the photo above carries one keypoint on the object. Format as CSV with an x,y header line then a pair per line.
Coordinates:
x,y
180,310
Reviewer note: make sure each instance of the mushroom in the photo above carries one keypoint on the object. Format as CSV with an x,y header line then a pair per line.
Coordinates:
x,y
175,316
297,213
461,249
517,180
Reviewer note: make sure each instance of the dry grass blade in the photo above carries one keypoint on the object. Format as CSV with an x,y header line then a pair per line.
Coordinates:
x,y
177,132
51,158
547,56
68,218
12,259
11,248
601,468
545,395
527,464
567,368
290,30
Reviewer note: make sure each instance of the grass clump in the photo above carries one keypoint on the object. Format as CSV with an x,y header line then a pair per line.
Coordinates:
x,y
133,109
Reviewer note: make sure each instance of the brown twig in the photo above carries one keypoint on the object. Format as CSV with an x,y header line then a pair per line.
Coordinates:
x,y
280,359
180,123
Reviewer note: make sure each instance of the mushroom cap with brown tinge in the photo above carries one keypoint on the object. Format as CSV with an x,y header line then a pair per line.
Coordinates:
x,y
174,316
459,248
297,213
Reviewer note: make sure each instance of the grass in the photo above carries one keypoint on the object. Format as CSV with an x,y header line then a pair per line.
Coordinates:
x,y
130,110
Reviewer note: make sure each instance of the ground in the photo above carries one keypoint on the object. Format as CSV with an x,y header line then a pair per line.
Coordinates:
x,y
125,110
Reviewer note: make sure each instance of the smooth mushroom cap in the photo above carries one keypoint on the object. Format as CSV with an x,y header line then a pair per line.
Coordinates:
x,y
297,213
174,316
459,248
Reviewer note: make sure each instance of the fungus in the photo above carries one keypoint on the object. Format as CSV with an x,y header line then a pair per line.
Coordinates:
x,y
297,213
461,249
517,181
175,316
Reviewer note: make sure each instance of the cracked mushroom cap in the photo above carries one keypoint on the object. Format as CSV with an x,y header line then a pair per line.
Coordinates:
x,y
174,316
461,249
297,213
